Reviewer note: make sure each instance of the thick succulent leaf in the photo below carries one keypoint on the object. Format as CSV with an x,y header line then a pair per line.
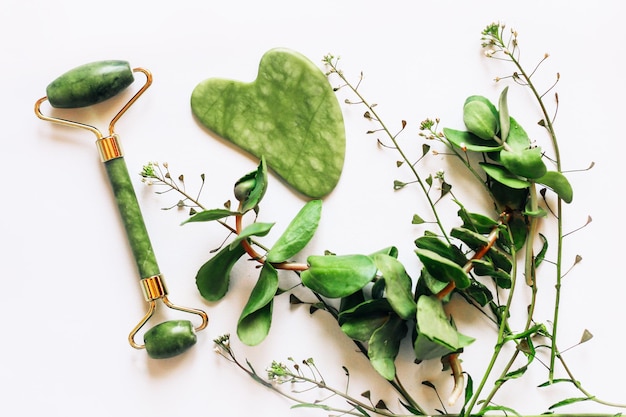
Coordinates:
x,y
384,346
519,230
442,268
350,301
289,114
428,285
559,184
503,114
472,239
397,285
480,117
390,250
254,229
527,163
338,276
513,198
485,267
298,233
479,293
360,322
436,336
517,139
437,245
256,317
477,222
476,241
468,141
504,176
213,278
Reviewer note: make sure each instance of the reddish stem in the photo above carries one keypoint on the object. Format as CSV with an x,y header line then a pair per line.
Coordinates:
x,y
288,266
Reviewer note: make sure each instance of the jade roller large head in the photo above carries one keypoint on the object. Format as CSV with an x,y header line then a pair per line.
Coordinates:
x,y
87,85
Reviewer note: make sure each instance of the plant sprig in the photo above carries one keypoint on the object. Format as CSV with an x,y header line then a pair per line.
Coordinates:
x,y
372,297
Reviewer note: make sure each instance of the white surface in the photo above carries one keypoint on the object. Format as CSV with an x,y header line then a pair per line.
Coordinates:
x,y
70,294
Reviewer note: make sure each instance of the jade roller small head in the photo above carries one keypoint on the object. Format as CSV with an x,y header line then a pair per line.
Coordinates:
x,y
169,339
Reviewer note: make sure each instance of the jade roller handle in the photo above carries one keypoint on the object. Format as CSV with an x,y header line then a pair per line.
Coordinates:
x,y
131,217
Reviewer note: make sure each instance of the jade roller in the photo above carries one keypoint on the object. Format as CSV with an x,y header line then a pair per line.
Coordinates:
x,y
85,86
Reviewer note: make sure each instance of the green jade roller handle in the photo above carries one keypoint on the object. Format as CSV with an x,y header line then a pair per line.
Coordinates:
x,y
87,85
132,218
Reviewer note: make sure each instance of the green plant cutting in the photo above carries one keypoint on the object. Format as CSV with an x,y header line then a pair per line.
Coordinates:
x,y
485,259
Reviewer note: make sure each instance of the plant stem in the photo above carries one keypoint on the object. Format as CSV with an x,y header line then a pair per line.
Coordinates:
x,y
499,343
547,122
393,138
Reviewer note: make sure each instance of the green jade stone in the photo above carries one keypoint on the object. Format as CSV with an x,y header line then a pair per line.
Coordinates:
x,y
132,218
289,114
89,84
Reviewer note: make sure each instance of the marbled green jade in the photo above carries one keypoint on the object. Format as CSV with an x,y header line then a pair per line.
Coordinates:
x,y
289,115
89,84
132,218
169,339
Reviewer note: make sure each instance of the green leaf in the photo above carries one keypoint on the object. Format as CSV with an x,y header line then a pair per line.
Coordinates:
x,y
469,141
389,250
476,241
437,245
480,117
428,285
213,277
479,293
477,222
517,139
289,114
556,381
360,322
397,285
504,176
256,317
442,268
568,402
527,163
338,276
436,337
210,215
559,184
504,118
517,373
519,230
254,229
350,301
506,196
298,233
472,239
250,188
486,267
384,346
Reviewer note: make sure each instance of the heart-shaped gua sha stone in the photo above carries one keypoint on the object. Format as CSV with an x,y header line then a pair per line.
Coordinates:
x,y
289,114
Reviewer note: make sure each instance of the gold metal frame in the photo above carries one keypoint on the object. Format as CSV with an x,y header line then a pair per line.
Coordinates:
x,y
153,288
93,129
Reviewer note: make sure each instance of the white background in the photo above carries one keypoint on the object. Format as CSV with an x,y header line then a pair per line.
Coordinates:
x,y
69,290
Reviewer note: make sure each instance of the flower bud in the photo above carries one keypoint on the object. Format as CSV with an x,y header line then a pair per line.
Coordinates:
x,y
244,187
